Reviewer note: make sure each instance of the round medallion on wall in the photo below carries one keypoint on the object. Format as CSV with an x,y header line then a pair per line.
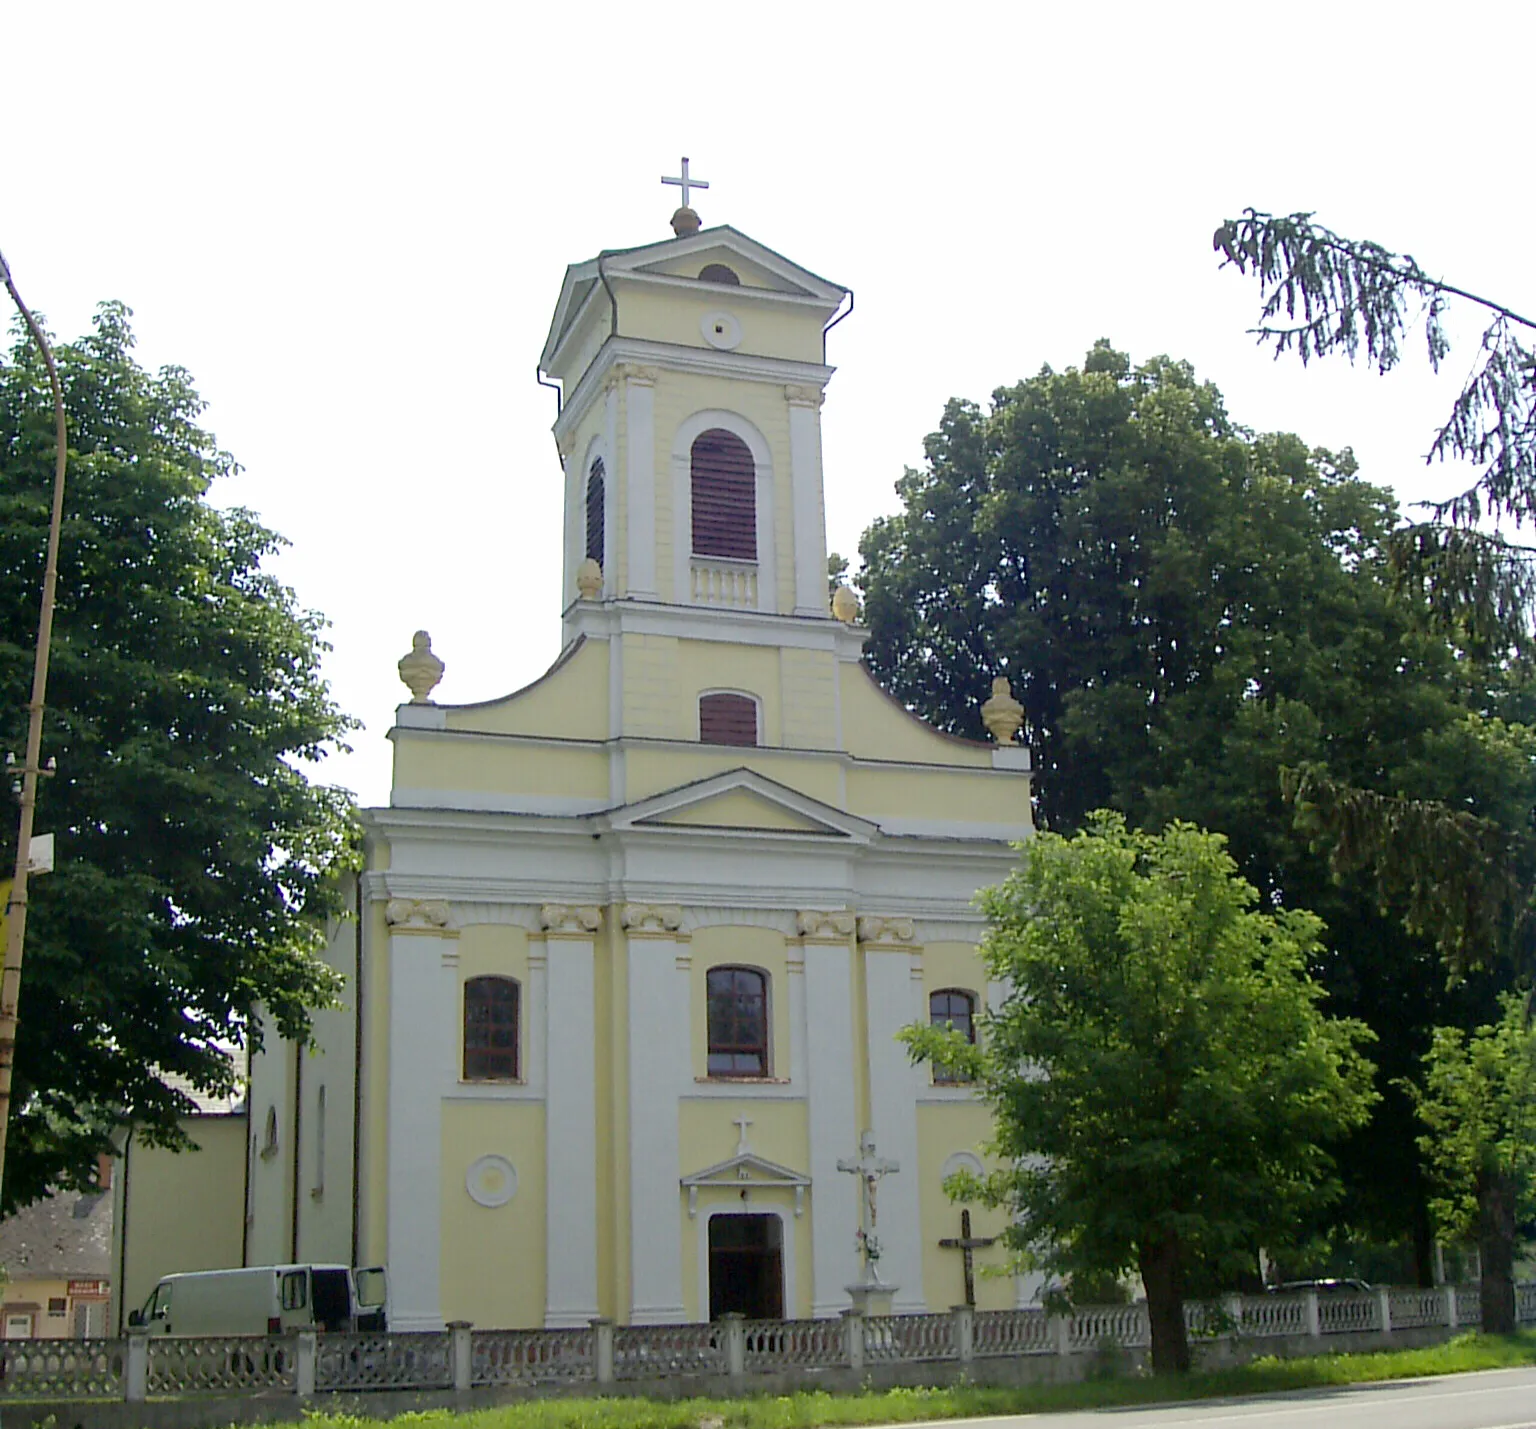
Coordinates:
x,y
721,330
491,1181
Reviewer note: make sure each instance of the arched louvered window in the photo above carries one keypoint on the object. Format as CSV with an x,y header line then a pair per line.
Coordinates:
x,y
955,1008
724,497
595,511
719,273
738,1022
727,719
491,1029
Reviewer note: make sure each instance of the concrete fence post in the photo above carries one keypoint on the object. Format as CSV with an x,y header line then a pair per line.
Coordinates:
x,y
1314,1320
1061,1332
602,1351
965,1332
1234,1308
136,1374
1450,1306
735,1343
461,1354
853,1330
306,1349
1386,1310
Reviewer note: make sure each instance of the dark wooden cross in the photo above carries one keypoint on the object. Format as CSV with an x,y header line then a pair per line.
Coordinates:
x,y
966,1243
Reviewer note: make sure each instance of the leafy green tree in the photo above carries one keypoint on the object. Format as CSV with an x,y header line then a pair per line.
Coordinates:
x,y
1477,1101
1325,293
1186,610
196,862
1162,1077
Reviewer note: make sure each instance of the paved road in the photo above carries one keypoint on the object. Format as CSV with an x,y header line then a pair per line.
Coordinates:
x,y
1499,1399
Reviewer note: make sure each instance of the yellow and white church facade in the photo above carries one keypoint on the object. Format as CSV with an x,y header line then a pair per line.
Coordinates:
x,y
633,944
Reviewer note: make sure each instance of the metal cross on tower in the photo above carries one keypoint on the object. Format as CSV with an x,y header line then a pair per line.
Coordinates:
x,y
966,1243
685,183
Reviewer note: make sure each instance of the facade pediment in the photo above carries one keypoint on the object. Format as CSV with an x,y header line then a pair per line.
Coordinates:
x,y
746,800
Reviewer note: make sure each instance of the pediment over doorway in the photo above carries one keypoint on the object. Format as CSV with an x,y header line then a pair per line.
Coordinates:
x,y
745,1171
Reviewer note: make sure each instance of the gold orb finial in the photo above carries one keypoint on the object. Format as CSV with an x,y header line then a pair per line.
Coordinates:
x,y
845,605
589,579
421,669
1002,714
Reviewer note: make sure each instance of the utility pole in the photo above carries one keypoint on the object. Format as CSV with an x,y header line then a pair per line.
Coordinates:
x,y
31,769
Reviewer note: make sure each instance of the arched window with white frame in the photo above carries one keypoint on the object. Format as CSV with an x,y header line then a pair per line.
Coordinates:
x,y
724,480
596,493
492,1050
737,1017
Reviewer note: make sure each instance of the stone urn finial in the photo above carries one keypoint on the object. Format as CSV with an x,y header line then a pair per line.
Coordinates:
x,y
845,605
421,669
589,579
1002,714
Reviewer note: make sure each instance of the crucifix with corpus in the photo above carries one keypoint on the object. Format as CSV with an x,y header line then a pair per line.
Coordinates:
x,y
869,1168
966,1244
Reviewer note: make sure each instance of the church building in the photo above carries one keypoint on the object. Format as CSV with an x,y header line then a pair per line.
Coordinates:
x,y
633,944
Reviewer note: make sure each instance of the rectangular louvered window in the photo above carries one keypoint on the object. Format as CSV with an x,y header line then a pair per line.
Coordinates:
x,y
728,719
724,497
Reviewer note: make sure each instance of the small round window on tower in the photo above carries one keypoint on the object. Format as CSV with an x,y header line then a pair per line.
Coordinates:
x,y
719,273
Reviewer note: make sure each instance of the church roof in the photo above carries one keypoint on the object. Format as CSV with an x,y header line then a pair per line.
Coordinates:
x,y
774,276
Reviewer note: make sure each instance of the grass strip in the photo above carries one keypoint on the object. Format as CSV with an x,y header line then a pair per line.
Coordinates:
x,y
817,1409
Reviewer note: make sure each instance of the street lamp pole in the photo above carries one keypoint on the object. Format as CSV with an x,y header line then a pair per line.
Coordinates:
x,y
10,982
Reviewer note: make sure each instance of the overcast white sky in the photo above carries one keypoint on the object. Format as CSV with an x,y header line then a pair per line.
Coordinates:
x,y
350,224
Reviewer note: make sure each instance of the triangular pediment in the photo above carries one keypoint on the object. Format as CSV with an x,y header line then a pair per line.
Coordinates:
x,y
681,260
742,801
746,1168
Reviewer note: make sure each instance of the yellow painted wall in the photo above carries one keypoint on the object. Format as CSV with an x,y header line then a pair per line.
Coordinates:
x,y
493,1257
743,946
875,726
184,1210
941,1131
568,702
741,810
425,760
654,770
714,665
939,794
674,315
31,1297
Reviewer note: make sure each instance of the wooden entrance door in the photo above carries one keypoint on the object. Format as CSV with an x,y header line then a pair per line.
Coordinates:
x,y
746,1267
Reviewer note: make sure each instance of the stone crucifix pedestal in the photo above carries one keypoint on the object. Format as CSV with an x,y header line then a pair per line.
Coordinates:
x,y
871,1295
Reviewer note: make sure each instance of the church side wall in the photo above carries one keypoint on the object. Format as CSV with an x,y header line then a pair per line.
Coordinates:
x,y
179,1210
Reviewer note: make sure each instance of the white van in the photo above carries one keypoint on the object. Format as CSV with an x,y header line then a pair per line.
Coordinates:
x,y
266,1300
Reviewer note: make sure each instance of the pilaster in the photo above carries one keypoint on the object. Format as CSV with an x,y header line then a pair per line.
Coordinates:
x,y
570,1270
423,985
659,1071
828,1035
640,478
893,1000
810,549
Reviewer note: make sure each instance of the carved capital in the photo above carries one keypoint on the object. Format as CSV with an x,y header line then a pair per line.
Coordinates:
x,y
651,917
798,396
429,913
634,372
829,926
570,918
566,445
893,932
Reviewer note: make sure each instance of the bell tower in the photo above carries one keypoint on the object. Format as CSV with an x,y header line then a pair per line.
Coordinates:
x,y
692,373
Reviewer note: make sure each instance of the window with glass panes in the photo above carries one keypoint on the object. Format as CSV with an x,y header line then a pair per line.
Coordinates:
x,y
738,1022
